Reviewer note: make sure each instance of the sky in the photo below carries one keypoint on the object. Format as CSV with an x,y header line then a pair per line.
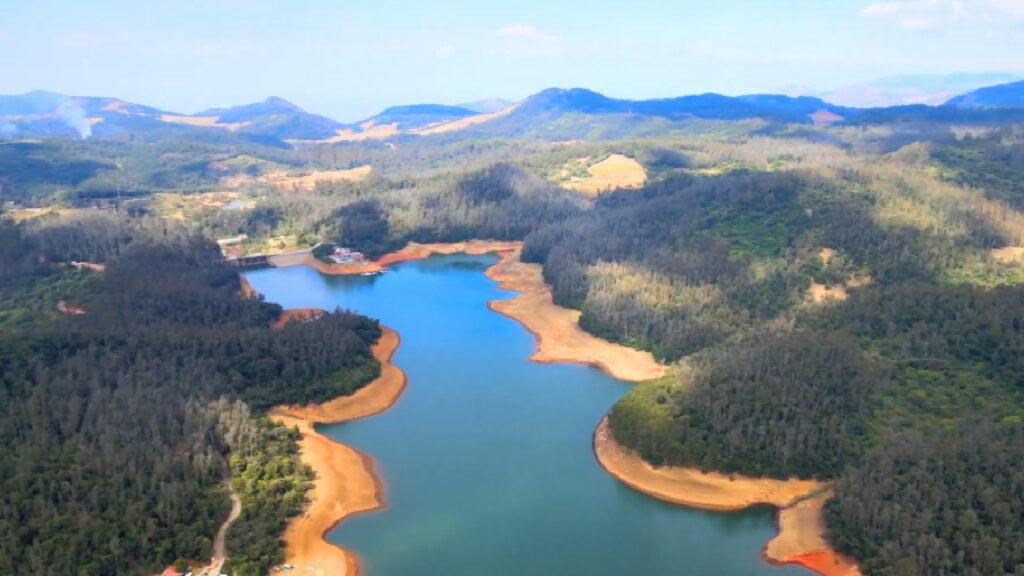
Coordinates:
x,y
349,60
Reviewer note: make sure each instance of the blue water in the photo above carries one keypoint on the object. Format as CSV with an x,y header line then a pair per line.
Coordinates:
x,y
487,457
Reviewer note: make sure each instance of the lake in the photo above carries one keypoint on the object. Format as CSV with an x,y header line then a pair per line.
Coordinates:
x,y
487,458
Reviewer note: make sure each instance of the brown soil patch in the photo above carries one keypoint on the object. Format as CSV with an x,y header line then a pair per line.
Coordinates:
x,y
801,539
22,214
246,289
346,479
1009,255
94,266
69,308
346,269
825,117
370,131
116,106
461,123
819,293
177,206
615,171
414,251
826,255
202,122
292,314
205,121
285,181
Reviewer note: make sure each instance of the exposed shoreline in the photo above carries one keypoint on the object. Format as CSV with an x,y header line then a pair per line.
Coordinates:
x,y
559,337
556,329
346,481
801,539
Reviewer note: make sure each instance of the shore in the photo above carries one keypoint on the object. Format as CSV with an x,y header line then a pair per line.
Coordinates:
x,y
801,538
557,330
559,336
296,315
346,479
347,484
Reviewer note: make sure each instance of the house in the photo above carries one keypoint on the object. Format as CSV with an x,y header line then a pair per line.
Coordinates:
x,y
345,256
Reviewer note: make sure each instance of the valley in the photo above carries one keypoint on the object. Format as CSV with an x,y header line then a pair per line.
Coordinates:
x,y
706,334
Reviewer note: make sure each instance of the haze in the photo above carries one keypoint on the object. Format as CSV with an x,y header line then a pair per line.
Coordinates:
x,y
348,60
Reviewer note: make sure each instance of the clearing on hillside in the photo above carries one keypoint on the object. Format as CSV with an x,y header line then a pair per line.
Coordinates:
x,y
615,171
286,181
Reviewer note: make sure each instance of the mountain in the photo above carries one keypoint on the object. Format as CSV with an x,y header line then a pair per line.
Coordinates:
x,y
929,89
487,106
419,115
1001,96
555,113
272,118
552,103
49,113
41,113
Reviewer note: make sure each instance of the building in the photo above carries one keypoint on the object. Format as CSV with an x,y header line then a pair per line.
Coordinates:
x,y
346,256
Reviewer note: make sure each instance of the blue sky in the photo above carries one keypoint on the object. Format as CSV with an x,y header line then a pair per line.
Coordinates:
x,y
351,59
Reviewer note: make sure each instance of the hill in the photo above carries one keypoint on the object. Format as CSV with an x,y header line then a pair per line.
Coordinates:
x,y
419,115
274,118
1009,95
49,113
41,113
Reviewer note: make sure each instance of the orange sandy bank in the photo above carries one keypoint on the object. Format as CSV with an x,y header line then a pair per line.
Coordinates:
x,y
414,251
347,269
559,336
801,538
346,482
246,289
690,486
296,314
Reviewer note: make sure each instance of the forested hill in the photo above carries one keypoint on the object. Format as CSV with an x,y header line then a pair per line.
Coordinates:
x,y
849,320
117,424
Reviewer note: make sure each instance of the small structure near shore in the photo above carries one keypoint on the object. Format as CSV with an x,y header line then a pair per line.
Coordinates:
x,y
346,256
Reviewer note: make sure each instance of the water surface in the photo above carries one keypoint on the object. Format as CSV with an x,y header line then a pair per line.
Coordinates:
x,y
487,457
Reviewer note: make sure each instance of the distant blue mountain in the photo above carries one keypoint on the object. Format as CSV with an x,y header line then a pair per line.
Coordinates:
x,y
709,106
1009,95
276,118
418,115
486,106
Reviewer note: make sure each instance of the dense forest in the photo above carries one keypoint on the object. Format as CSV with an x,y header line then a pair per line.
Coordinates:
x,y
116,424
842,303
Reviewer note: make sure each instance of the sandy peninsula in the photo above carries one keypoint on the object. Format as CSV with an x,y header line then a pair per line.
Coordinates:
x,y
346,480
557,330
801,538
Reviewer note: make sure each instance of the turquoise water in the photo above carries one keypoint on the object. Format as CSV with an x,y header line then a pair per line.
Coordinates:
x,y
487,457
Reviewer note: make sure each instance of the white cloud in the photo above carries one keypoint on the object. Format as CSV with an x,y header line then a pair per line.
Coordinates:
x,y
930,14
526,32
528,40
80,40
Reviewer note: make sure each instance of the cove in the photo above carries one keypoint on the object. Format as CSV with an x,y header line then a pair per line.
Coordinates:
x,y
487,457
